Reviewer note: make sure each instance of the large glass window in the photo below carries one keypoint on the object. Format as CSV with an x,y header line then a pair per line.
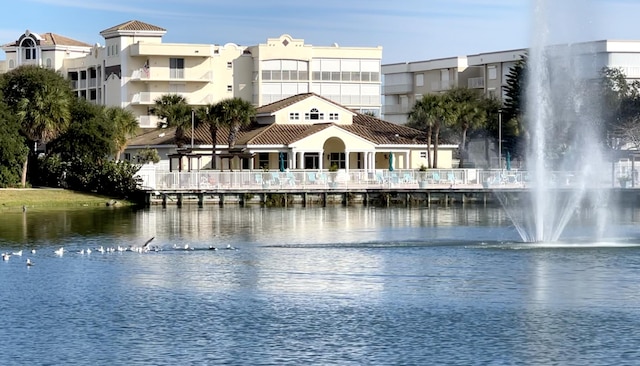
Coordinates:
x,y
337,159
29,48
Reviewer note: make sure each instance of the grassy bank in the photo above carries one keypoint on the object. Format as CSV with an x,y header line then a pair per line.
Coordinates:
x,y
11,199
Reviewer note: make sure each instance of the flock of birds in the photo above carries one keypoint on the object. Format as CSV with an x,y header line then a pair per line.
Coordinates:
x,y
145,248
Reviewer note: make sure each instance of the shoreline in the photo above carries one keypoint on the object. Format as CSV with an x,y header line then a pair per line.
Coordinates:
x,y
16,199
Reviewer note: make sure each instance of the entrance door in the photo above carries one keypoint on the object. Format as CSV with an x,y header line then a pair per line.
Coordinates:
x,y
311,161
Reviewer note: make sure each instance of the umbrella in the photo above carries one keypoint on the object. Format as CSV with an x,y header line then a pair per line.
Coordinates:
x,y
281,156
390,161
508,161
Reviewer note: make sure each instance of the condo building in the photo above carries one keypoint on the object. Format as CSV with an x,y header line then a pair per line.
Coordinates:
x,y
404,83
134,67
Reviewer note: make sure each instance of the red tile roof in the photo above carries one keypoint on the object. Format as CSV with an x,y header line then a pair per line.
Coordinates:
x,y
134,25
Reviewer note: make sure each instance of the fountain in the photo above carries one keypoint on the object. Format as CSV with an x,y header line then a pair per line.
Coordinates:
x,y
562,112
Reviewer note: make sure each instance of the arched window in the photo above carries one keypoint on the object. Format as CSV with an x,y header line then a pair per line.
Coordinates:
x,y
314,114
48,62
11,64
29,49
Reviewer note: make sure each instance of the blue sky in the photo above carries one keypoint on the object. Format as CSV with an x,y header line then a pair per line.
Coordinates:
x,y
408,30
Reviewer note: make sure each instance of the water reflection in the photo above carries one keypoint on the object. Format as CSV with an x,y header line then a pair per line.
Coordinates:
x,y
329,285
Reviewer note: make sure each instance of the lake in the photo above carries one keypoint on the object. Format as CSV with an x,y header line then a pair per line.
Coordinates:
x,y
318,286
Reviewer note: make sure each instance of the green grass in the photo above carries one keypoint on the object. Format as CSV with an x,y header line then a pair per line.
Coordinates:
x,y
16,198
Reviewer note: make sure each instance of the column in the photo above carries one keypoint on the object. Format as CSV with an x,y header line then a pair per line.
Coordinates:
x,y
347,154
300,160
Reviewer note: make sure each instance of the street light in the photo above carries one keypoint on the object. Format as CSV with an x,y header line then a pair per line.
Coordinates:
x,y
192,124
500,138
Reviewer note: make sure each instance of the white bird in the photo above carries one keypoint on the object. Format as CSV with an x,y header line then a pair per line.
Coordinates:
x,y
101,249
88,250
18,253
33,251
60,251
29,264
6,256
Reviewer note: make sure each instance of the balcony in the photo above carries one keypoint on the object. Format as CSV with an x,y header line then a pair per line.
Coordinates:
x,y
475,83
164,74
442,85
396,109
397,89
148,98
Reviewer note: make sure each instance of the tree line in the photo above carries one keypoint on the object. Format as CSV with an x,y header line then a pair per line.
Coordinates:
x,y
51,137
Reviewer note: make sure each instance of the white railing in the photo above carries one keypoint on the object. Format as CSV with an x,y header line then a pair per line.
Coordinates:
x,y
161,179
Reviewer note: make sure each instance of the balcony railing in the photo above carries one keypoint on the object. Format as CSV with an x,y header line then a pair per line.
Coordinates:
x,y
476,83
159,179
174,74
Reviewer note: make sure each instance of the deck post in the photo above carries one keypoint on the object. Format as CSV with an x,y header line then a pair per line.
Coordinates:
x,y
200,200
179,198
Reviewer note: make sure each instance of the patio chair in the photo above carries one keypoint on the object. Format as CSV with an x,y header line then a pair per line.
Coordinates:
x,y
451,179
311,178
435,178
407,178
275,178
394,178
379,178
291,179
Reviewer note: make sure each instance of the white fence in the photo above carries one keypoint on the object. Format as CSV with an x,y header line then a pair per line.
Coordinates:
x,y
161,179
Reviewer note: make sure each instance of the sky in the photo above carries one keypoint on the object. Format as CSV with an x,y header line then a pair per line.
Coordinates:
x,y
408,30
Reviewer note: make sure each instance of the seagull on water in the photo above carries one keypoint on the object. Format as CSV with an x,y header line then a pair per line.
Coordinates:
x,y
6,256
18,253
29,264
60,251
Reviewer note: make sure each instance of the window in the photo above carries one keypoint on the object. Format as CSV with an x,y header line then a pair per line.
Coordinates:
x,y
420,80
493,72
314,115
294,116
263,160
29,48
229,65
333,116
229,88
176,68
48,62
11,64
337,159
423,154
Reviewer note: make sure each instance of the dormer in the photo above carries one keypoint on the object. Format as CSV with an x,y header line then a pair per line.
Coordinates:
x,y
305,109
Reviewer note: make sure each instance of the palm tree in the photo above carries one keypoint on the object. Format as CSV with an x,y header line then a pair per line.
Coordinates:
x,y
426,115
175,111
471,115
43,116
421,119
236,113
125,126
210,114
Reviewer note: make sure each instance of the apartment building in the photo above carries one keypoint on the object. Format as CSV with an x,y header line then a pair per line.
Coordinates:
x,y
134,67
404,83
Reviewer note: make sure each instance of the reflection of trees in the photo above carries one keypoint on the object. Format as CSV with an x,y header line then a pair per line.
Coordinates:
x,y
56,225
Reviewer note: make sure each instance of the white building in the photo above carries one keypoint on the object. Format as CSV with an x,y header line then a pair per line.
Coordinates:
x,y
488,72
134,67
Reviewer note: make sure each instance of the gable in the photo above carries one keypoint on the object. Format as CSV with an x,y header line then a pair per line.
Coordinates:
x,y
313,110
317,140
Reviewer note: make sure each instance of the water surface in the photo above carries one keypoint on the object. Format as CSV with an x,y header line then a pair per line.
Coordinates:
x,y
323,286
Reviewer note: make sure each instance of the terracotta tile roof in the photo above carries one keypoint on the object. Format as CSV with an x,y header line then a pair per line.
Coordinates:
x,y
384,133
134,25
56,39
369,128
52,39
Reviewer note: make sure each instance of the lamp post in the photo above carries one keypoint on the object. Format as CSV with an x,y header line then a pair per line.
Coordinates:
x,y
193,115
500,138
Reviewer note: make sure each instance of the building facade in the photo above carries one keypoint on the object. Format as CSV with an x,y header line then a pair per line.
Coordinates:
x,y
134,67
404,83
